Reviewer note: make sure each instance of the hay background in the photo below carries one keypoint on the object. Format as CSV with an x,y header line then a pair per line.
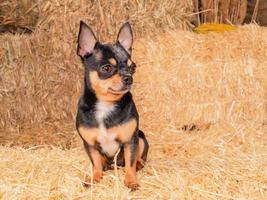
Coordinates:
x,y
38,68
221,163
216,82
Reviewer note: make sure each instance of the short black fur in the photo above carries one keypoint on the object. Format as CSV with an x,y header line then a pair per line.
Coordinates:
x,y
125,108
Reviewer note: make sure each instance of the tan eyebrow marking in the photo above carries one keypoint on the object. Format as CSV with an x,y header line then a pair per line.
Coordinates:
x,y
98,56
112,61
129,62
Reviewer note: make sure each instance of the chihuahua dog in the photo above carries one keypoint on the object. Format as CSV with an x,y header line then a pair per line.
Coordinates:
x,y
107,120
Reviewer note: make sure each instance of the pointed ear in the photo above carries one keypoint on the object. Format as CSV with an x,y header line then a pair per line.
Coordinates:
x,y
86,40
125,37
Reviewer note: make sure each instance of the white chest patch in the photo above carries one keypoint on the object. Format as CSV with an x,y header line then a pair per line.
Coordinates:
x,y
105,138
103,110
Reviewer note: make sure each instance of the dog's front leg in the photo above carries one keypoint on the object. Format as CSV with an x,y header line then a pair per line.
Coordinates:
x,y
130,156
97,162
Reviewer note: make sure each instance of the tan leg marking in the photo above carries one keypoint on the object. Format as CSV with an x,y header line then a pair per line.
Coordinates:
x,y
140,162
130,171
90,135
97,165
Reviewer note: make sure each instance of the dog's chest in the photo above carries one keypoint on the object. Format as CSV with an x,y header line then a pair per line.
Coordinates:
x,y
106,138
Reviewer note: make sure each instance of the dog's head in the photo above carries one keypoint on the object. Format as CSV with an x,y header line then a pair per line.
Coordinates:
x,y
108,67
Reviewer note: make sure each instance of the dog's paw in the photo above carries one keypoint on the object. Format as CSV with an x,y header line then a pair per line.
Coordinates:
x,y
96,179
133,185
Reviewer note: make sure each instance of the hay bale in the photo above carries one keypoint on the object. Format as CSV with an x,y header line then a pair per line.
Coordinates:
x,y
182,77
204,79
201,98
36,85
217,78
257,11
221,11
18,14
106,16
222,163
41,76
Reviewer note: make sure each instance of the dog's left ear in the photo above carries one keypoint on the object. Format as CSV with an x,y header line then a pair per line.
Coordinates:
x,y
86,40
125,37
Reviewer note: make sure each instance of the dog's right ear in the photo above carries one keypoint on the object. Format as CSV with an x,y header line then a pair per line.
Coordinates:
x,y
86,40
125,37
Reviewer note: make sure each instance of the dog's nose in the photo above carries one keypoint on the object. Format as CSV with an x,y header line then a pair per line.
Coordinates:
x,y
127,80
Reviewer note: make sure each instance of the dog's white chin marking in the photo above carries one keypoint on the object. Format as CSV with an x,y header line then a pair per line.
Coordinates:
x,y
106,140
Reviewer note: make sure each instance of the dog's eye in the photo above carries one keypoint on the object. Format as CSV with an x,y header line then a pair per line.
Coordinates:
x,y
106,68
132,68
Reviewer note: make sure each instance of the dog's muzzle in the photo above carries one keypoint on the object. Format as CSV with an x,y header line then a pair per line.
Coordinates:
x,y
127,80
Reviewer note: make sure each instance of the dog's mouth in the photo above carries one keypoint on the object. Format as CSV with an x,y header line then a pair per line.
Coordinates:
x,y
120,91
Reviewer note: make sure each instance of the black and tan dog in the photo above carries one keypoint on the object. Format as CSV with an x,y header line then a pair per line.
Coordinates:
x,y
107,118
